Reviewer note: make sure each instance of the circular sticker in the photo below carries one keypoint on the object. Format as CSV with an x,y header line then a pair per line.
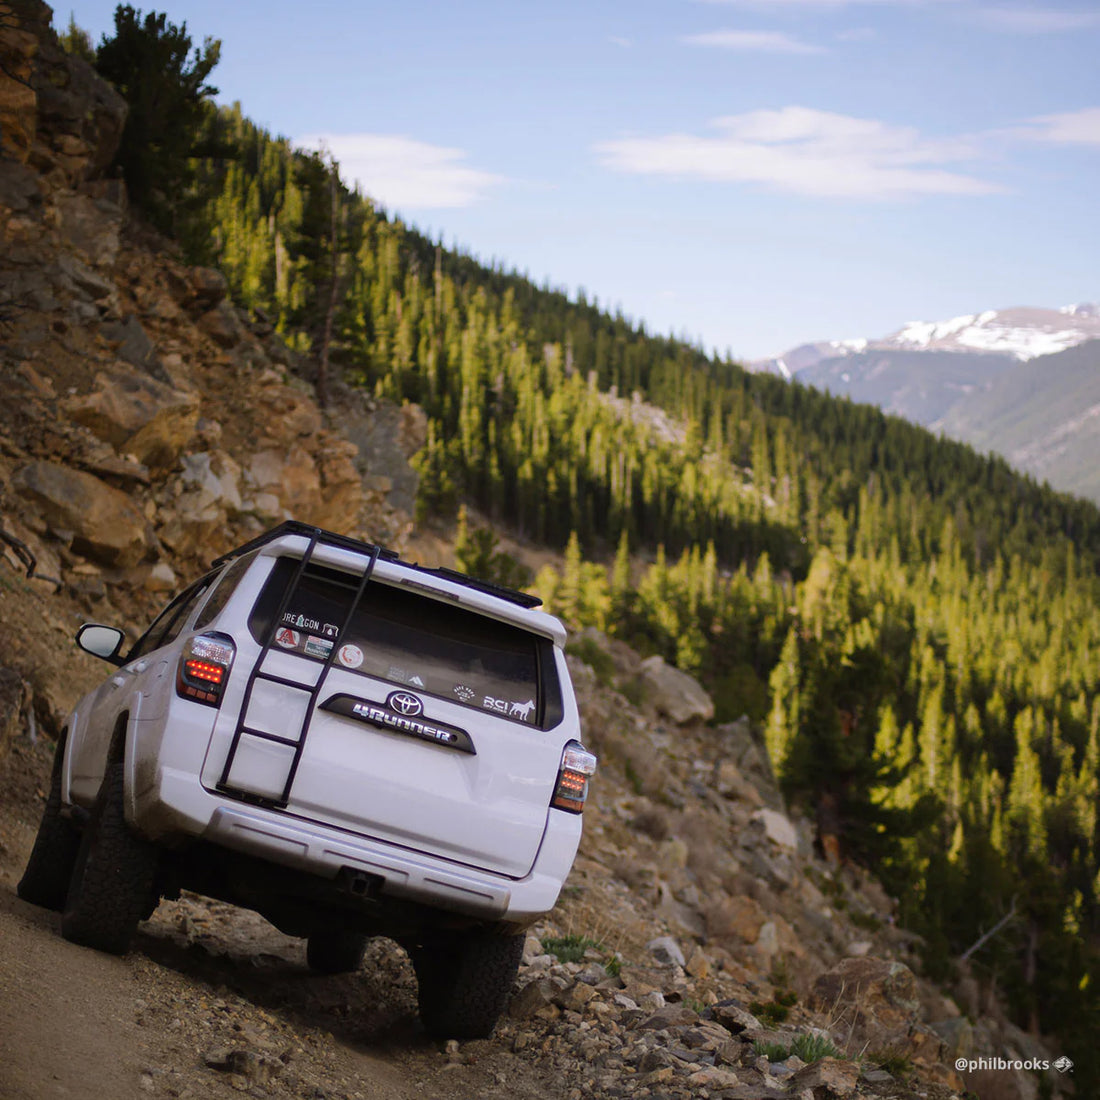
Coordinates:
x,y
287,638
351,656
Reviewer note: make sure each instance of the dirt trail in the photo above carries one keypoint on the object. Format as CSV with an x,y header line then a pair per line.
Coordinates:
x,y
212,1002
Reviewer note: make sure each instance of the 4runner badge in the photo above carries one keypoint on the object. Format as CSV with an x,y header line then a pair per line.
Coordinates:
x,y
388,716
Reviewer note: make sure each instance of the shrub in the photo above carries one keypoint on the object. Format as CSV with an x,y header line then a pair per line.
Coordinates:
x,y
812,1048
569,949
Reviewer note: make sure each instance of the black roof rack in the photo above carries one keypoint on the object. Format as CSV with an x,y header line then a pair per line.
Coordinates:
x,y
330,538
296,527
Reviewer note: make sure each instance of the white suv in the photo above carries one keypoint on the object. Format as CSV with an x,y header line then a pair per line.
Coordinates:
x,y
350,744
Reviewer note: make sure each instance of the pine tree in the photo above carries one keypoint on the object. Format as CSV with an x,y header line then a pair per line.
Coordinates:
x,y
149,61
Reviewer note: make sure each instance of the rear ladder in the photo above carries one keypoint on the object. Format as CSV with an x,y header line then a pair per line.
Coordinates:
x,y
297,744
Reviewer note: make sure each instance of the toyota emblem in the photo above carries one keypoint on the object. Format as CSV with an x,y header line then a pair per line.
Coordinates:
x,y
403,702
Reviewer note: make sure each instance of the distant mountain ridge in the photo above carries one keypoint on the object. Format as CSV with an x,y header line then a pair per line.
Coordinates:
x,y
1023,382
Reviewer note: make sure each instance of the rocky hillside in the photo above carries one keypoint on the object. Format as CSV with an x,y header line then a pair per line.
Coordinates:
x,y
700,947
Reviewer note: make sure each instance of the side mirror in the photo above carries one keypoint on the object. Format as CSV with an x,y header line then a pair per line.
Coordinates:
x,y
101,641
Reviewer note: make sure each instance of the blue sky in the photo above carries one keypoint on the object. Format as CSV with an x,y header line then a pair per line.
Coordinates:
x,y
750,174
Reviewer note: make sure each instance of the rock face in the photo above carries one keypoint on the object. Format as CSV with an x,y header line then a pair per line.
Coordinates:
x,y
138,415
675,694
875,1000
55,112
98,521
12,694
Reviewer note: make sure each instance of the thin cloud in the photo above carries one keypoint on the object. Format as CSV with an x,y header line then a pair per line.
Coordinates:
x,y
1035,20
406,174
752,42
807,152
1071,128
622,43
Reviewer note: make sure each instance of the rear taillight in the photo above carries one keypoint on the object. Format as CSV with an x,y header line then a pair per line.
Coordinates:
x,y
204,667
571,789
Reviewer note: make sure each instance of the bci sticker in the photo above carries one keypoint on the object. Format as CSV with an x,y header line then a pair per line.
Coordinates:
x,y
510,707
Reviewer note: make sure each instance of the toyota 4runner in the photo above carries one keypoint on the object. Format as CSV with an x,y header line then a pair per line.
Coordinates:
x,y
350,744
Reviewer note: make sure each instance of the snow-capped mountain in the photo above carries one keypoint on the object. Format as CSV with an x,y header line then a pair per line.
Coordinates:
x,y
980,377
1022,332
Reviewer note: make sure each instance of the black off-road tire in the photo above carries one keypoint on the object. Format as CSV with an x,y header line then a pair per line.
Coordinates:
x,y
113,882
45,882
465,981
336,952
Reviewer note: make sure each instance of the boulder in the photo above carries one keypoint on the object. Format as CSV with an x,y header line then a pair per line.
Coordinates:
x,y
18,187
222,325
133,345
138,415
740,917
292,478
872,1002
745,749
71,276
203,289
833,1077
675,694
666,951
778,828
101,522
80,116
207,493
287,415
341,497
93,226
733,1016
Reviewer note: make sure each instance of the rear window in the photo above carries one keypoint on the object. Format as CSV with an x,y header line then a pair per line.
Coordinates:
x,y
223,590
168,624
413,641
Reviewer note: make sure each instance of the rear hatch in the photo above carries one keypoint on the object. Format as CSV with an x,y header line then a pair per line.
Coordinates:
x,y
413,721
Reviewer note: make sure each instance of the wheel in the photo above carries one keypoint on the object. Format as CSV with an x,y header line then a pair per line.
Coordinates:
x,y
336,952
112,887
45,882
465,981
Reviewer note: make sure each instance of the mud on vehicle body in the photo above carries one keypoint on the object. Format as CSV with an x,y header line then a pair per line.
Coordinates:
x,y
350,744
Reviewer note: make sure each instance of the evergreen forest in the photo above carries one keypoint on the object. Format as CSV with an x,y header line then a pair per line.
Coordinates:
x,y
915,626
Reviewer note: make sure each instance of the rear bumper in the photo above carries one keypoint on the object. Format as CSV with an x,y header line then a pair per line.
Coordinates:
x,y
176,806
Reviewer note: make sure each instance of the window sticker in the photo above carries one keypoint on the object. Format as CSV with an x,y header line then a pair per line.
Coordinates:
x,y
318,647
416,681
498,705
304,623
522,710
287,638
464,693
351,656
398,674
